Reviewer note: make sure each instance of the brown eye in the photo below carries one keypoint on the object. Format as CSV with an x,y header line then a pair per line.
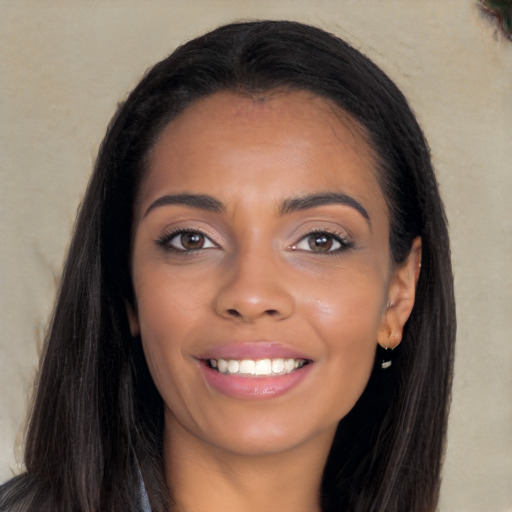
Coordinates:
x,y
186,241
192,241
320,242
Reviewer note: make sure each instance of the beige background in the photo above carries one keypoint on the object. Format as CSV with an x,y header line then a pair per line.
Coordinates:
x,y
64,66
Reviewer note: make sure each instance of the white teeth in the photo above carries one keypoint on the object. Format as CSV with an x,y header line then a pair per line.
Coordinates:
x,y
233,366
256,367
247,366
222,366
277,366
289,365
263,367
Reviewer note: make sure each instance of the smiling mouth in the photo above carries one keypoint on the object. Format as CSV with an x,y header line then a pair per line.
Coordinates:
x,y
256,367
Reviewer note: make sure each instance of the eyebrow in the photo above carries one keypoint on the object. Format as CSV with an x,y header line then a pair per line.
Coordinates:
x,y
315,200
209,203
199,201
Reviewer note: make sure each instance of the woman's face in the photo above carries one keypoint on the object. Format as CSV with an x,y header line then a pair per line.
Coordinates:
x,y
261,270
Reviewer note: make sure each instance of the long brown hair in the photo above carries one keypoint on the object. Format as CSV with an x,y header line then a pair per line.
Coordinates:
x,y
96,424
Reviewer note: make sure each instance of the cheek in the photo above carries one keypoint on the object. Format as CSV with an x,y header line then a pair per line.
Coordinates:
x,y
346,316
167,315
162,316
350,306
166,304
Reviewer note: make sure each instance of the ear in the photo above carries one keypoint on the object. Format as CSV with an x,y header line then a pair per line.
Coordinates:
x,y
401,295
133,319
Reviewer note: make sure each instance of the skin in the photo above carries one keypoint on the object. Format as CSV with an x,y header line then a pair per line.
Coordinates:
x,y
257,279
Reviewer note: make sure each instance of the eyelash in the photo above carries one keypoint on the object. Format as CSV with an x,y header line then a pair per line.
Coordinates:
x,y
165,241
344,244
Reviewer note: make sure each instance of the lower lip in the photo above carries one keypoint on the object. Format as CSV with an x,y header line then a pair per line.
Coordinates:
x,y
237,386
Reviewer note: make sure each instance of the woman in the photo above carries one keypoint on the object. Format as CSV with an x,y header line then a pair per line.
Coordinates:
x,y
262,227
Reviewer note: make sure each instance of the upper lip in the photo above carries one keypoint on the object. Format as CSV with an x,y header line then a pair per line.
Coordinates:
x,y
252,350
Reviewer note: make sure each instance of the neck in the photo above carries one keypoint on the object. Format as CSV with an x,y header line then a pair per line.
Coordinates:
x,y
203,478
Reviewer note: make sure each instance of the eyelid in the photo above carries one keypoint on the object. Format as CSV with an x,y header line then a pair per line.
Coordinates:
x,y
344,241
168,235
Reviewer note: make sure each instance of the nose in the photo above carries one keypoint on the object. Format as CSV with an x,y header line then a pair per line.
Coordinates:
x,y
253,289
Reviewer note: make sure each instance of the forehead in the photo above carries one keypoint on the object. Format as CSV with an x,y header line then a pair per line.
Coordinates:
x,y
280,142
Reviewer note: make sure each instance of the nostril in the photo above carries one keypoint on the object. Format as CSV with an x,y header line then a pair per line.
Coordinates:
x,y
236,314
